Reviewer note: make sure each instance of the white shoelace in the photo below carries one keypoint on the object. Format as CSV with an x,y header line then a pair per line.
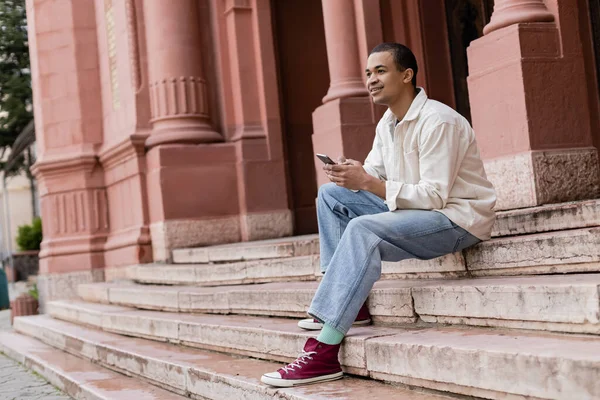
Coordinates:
x,y
305,355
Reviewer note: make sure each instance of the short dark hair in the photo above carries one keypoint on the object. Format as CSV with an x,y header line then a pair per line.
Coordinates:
x,y
403,57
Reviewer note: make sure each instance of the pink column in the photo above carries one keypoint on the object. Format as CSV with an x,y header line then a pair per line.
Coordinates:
x,y
345,123
533,128
178,87
509,12
342,48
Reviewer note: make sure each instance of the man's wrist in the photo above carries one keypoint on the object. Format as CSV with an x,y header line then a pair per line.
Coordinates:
x,y
375,185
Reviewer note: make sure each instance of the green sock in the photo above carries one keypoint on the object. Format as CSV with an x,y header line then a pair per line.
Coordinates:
x,y
330,335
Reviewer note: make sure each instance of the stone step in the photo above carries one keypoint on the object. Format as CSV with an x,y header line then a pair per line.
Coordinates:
x,y
553,217
481,362
567,251
79,378
289,269
196,372
277,339
562,303
295,246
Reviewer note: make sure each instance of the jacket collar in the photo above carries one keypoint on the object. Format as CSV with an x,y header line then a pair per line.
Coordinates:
x,y
413,111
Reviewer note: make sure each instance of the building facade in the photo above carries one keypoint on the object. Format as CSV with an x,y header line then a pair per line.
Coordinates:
x,y
167,124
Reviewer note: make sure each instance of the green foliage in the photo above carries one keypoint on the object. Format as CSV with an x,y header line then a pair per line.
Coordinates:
x,y
30,237
33,292
15,76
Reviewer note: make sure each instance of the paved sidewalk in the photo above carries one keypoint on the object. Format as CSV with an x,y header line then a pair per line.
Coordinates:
x,y
18,383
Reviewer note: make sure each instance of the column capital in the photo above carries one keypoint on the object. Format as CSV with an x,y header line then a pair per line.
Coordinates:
x,y
509,12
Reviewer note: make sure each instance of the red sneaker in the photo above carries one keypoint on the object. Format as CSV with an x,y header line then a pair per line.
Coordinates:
x,y
317,363
363,318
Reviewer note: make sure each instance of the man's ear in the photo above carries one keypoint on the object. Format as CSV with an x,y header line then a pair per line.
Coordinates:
x,y
408,75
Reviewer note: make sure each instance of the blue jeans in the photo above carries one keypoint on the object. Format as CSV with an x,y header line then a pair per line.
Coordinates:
x,y
357,232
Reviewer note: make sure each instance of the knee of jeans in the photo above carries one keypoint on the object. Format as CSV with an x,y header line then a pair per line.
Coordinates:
x,y
358,223
326,191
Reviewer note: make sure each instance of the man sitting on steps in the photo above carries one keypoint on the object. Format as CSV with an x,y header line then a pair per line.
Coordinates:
x,y
421,193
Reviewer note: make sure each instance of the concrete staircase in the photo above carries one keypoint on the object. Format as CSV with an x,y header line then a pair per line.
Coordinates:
x,y
516,317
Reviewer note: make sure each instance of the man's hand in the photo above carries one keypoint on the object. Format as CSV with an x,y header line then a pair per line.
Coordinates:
x,y
347,173
351,175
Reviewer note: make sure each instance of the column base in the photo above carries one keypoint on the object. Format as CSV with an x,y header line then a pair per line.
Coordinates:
x,y
344,127
539,177
176,234
64,286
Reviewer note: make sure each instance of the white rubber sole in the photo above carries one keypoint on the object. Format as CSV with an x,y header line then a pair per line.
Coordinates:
x,y
310,325
298,382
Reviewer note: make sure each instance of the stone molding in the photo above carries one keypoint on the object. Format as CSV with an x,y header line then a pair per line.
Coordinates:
x,y
131,146
237,5
57,166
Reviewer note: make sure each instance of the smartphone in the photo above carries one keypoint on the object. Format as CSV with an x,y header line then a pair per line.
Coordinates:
x,y
325,159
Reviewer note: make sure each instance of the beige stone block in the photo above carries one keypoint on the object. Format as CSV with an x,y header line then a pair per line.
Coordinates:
x,y
154,298
163,274
552,252
275,270
67,312
282,299
273,224
168,375
543,177
212,300
175,234
551,217
146,324
65,285
572,300
393,304
263,249
98,292
115,273
293,268
490,364
449,263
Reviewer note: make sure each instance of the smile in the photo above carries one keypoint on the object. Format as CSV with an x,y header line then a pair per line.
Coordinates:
x,y
376,90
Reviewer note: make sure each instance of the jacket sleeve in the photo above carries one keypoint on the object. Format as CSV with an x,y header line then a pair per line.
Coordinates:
x,y
441,152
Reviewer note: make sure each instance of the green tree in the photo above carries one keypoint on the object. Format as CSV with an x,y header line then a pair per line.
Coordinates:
x,y
15,76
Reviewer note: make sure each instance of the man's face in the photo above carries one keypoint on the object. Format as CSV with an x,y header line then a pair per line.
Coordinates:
x,y
385,83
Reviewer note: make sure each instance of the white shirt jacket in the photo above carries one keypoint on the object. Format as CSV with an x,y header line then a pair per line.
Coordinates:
x,y
430,161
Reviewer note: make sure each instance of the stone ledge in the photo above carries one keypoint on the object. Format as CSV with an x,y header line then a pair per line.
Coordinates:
x,y
392,303
272,270
488,363
265,338
542,253
199,373
285,269
565,303
295,246
546,218
551,217
77,377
